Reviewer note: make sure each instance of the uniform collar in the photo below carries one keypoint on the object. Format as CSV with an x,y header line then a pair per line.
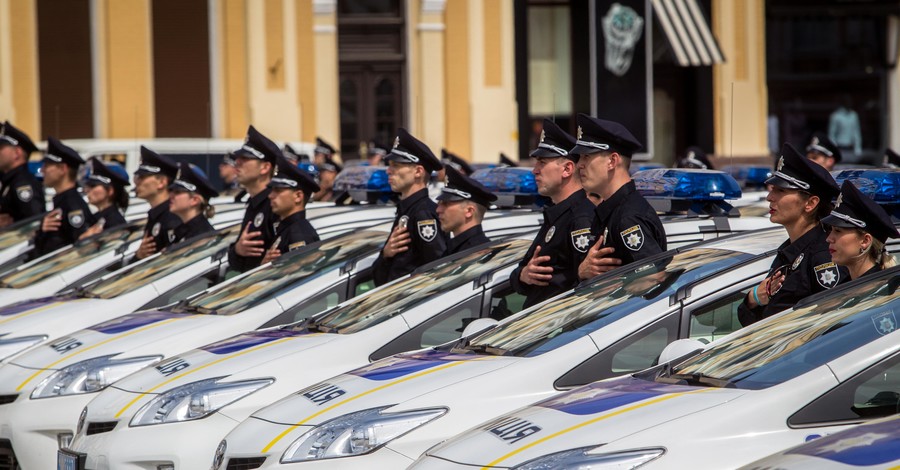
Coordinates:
x,y
157,211
412,200
259,199
792,250
292,218
605,208
11,174
557,210
465,236
69,193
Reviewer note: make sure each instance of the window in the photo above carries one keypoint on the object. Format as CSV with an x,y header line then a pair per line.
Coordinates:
x,y
874,393
713,321
307,308
504,302
192,286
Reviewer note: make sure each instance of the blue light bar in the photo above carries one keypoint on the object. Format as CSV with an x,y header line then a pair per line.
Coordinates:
x,y
371,179
687,184
882,185
645,166
507,180
310,169
482,166
749,175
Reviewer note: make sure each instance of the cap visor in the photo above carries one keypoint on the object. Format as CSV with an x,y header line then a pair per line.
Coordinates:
x,y
782,183
450,197
544,153
585,150
277,185
837,222
241,153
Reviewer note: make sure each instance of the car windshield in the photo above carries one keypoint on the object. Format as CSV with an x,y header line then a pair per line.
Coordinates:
x,y
283,274
800,340
73,256
21,232
139,275
548,326
383,304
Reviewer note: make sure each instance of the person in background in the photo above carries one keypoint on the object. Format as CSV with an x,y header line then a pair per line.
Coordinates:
x,y
228,173
323,151
461,208
376,153
21,194
291,189
859,230
823,151
105,190
506,161
694,157
189,197
328,171
71,215
891,159
151,183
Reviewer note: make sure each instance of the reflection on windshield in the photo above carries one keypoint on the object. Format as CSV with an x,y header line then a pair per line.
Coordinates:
x,y
284,273
73,256
548,326
385,303
9,237
798,341
139,275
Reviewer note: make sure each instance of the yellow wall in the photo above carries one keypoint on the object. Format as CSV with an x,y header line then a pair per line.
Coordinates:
x,y
18,66
306,60
129,74
427,98
457,64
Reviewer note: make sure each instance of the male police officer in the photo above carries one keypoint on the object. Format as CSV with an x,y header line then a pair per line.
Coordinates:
x,y
255,164
550,266
228,173
823,151
151,183
21,194
323,151
71,215
328,171
416,237
461,207
291,188
624,220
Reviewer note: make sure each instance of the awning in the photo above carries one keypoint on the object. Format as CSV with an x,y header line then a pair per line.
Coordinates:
x,y
688,32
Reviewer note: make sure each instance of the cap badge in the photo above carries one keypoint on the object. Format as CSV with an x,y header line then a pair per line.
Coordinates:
x,y
542,138
840,200
396,141
780,163
579,132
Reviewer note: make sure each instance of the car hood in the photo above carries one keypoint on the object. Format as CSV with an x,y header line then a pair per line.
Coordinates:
x,y
385,382
592,415
30,316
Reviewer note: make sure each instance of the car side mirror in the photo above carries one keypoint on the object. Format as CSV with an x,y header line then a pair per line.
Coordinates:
x,y
478,325
680,349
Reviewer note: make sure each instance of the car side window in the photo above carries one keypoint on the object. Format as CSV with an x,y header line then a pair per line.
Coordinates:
x,y
874,393
717,319
633,353
191,287
309,307
362,282
504,302
440,329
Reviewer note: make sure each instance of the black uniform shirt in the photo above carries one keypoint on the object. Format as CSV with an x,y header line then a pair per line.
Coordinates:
x,y
428,242
110,217
190,229
161,225
76,217
472,237
21,194
808,269
565,237
294,232
261,219
630,224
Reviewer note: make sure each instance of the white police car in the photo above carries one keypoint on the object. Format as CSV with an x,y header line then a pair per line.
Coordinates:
x,y
617,324
15,242
820,368
871,446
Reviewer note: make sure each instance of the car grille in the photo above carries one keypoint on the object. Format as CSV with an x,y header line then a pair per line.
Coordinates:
x,y
7,456
5,399
245,464
101,427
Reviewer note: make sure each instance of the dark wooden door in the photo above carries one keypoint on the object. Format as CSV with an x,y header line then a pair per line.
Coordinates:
x,y
371,99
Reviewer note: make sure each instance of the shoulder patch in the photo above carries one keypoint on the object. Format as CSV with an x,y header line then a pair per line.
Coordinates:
x,y
582,239
296,245
827,275
633,237
427,229
76,219
171,235
258,219
24,193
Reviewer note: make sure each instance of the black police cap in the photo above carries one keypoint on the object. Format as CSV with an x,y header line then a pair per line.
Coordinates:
x,y
554,143
102,174
228,159
377,148
291,153
258,147
599,135
854,209
506,161
460,187
330,165
289,175
458,163
324,147
695,157
57,152
10,135
408,149
153,163
819,142
795,171
192,180
891,159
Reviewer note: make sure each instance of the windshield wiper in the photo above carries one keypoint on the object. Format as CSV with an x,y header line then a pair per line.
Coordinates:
x,y
197,309
83,292
700,379
320,328
487,349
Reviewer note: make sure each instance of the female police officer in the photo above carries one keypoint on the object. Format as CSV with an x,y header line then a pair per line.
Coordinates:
x,y
800,194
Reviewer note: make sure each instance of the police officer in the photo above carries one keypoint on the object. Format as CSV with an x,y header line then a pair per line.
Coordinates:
x,y
416,237
694,157
551,264
823,151
255,164
105,190
461,208
376,153
151,183
859,230
800,194
228,173
506,161
189,197
624,220
21,194
458,163
891,159
328,171
71,215
291,188
323,151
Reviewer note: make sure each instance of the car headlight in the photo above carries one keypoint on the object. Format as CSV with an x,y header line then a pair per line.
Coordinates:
x,y
195,400
356,433
575,459
10,346
91,375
